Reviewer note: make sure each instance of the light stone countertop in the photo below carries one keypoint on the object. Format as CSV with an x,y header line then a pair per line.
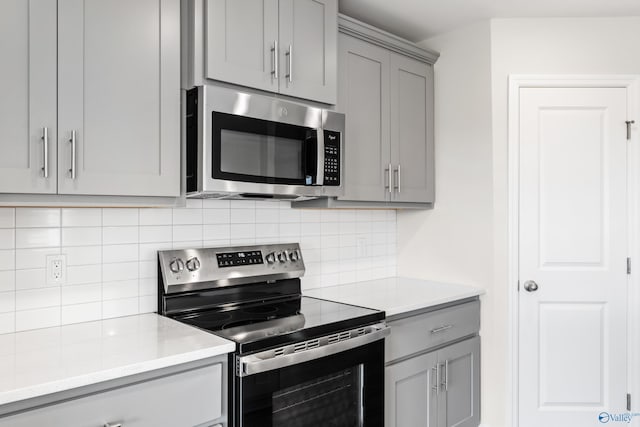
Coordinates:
x,y
396,295
45,361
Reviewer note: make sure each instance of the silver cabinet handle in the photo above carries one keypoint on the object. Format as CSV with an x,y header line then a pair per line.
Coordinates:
x,y
113,425
441,329
72,169
289,54
397,172
445,382
388,172
274,57
45,151
436,370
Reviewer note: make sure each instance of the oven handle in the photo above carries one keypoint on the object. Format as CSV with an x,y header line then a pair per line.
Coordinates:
x,y
253,364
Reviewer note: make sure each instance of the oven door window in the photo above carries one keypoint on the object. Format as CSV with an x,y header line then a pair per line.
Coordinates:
x,y
330,400
253,150
340,390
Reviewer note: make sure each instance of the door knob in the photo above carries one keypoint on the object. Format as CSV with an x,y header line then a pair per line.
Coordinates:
x,y
530,286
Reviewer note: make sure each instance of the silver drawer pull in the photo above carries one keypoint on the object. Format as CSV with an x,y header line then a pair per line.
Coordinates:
x,y
113,425
441,329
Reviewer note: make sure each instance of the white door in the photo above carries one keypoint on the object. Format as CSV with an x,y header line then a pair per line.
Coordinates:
x,y
573,245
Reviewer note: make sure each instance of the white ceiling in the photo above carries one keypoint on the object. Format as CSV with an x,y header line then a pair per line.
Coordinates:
x,y
418,20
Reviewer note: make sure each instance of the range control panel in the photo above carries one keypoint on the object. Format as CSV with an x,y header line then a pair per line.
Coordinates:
x,y
203,268
331,158
236,259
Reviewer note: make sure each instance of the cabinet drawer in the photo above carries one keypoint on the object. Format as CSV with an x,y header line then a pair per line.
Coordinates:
x,y
182,400
421,332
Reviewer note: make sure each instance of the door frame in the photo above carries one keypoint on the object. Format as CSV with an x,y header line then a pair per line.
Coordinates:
x,y
632,84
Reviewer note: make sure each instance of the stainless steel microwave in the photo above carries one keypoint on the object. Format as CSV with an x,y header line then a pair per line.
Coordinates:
x,y
244,145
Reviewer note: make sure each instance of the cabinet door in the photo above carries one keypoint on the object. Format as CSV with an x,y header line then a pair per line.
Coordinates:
x,y
412,130
27,95
119,90
364,98
240,37
191,398
308,49
411,392
459,403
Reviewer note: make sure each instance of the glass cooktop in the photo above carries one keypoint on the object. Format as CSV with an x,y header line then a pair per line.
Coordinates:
x,y
258,326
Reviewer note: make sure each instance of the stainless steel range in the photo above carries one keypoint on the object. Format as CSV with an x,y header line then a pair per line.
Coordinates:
x,y
299,361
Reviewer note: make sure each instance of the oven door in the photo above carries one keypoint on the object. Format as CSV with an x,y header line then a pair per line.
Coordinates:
x,y
342,389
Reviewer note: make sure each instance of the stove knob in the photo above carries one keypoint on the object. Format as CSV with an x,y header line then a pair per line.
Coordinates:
x,y
177,265
193,264
294,255
282,256
271,258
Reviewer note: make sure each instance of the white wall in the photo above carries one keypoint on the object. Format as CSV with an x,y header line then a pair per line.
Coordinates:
x,y
544,46
464,239
112,253
453,242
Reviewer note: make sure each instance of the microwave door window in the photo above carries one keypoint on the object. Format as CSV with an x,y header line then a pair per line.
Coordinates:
x,y
253,150
261,155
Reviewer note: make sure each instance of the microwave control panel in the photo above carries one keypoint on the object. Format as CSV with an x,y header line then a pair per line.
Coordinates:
x,y
331,158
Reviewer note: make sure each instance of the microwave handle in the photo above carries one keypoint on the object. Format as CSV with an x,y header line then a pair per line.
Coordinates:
x,y
320,157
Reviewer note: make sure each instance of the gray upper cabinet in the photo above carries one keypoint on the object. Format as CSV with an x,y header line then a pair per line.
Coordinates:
x,y
28,100
386,92
364,98
412,130
118,97
308,44
90,102
281,46
241,41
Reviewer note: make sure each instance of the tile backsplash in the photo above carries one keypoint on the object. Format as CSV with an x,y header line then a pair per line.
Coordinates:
x,y
111,267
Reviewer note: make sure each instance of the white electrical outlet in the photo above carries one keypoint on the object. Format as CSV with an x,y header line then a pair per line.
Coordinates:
x,y
56,269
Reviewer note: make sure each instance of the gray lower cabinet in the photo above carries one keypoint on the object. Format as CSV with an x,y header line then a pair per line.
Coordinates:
x,y
459,392
282,46
410,393
432,377
186,399
93,105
